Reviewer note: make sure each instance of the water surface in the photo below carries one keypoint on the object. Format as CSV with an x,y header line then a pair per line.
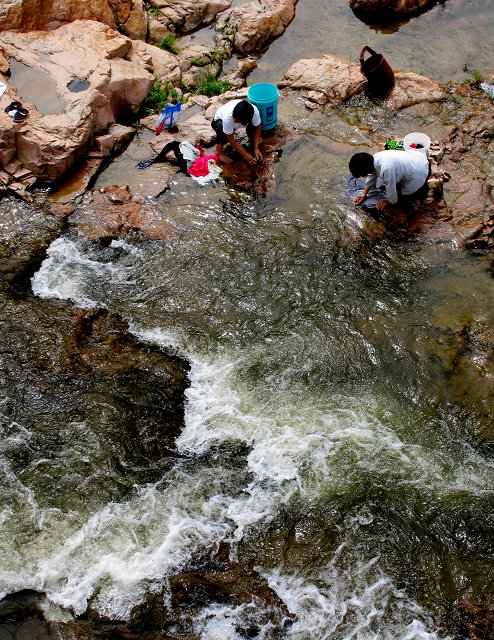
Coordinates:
x,y
438,43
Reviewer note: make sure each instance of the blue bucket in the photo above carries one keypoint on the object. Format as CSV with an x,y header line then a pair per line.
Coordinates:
x,y
265,97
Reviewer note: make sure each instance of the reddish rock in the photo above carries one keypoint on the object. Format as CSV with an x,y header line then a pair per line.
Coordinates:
x,y
379,11
48,145
131,17
113,212
45,15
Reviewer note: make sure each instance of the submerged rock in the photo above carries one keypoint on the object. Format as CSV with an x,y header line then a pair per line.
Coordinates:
x,y
379,11
113,212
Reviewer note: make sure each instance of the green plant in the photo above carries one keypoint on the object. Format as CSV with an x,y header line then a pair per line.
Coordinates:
x,y
158,97
153,11
137,126
173,96
210,86
199,63
217,56
477,78
169,43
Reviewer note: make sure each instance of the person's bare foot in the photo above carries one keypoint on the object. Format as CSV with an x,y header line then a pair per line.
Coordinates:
x,y
224,158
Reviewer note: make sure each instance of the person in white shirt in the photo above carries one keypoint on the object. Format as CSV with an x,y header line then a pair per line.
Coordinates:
x,y
232,116
404,173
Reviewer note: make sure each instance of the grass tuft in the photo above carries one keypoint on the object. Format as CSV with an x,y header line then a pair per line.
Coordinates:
x,y
209,85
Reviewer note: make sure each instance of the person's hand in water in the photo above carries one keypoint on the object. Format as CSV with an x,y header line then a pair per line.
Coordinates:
x,y
359,199
249,158
382,204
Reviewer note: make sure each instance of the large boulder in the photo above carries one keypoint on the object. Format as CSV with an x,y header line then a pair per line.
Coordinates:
x,y
45,15
163,64
250,27
380,11
334,78
49,144
331,79
186,15
131,17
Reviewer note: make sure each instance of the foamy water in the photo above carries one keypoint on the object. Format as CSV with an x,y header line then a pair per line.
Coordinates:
x,y
306,448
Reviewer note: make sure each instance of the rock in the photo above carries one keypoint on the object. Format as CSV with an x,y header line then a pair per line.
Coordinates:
x,y
131,18
22,253
158,30
379,11
4,65
113,212
238,75
196,129
128,86
339,81
412,88
78,180
8,130
161,63
45,15
112,142
250,27
187,15
48,145
478,619
333,77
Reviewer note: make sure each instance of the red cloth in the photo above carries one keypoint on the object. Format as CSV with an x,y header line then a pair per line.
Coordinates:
x,y
200,166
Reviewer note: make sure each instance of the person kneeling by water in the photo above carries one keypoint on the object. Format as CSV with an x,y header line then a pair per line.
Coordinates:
x,y
404,174
232,116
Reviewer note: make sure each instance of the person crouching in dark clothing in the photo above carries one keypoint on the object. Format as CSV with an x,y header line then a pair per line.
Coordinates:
x,y
234,115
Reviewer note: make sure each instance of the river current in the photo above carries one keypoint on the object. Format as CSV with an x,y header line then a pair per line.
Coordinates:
x,y
324,441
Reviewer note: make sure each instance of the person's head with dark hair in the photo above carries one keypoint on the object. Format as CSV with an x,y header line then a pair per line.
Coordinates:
x,y
243,112
361,164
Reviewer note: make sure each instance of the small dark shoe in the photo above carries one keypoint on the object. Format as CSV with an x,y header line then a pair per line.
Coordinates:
x,y
13,106
20,115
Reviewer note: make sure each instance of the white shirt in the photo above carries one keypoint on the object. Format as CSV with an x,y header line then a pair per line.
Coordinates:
x,y
225,113
403,170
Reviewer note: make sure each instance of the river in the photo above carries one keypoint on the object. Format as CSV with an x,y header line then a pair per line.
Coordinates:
x,y
325,440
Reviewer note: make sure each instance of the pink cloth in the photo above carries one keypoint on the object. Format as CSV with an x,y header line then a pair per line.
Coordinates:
x,y
200,166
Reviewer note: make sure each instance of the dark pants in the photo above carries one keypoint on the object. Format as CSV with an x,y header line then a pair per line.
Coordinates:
x,y
221,137
420,194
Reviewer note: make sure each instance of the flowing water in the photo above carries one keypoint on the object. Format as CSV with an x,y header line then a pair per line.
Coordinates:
x,y
325,440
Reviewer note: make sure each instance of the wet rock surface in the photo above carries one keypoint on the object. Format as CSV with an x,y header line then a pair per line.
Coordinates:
x,y
52,353
388,10
331,79
113,212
